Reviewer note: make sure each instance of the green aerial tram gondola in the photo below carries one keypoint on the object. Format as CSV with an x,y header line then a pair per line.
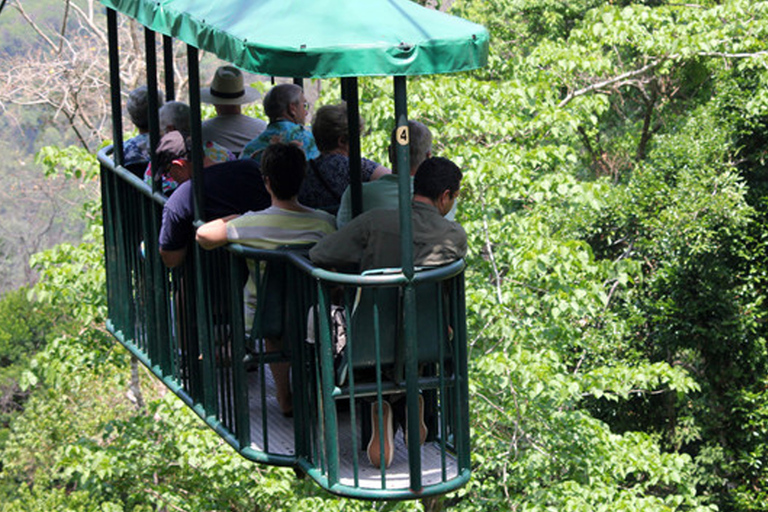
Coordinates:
x,y
405,327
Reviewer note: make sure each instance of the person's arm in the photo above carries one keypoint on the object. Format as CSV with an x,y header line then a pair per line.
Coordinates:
x,y
176,229
343,249
344,215
379,172
173,258
213,234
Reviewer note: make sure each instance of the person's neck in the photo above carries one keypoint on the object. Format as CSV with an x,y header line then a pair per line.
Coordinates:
x,y
286,118
424,199
227,110
291,204
337,151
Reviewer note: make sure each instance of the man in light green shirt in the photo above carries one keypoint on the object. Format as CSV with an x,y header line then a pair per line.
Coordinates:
x,y
383,193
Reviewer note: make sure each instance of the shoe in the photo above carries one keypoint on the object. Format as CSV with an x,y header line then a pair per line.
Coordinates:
x,y
374,448
422,426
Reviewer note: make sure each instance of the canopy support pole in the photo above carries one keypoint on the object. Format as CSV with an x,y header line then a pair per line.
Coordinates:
x,y
170,88
402,151
350,95
197,132
154,124
114,85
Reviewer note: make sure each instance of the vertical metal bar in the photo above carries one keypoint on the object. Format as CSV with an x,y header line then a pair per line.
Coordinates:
x,y
197,134
442,331
402,152
114,85
257,272
349,302
152,282
299,82
326,368
412,384
203,278
170,90
344,93
150,53
462,380
349,86
379,394
109,239
242,410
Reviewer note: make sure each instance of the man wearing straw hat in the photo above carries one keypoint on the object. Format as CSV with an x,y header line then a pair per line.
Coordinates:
x,y
230,128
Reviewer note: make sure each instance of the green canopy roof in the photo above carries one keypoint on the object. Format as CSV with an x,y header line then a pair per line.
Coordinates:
x,y
318,38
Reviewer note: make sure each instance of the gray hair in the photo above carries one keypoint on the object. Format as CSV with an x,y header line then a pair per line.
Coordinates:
x,y
420,144
138,106
174,114
278,98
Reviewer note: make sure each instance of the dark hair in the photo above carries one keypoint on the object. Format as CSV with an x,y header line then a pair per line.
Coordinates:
x,y
285,166
137,106
436,175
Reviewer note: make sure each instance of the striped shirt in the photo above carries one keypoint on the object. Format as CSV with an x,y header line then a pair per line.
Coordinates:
x,y
273,227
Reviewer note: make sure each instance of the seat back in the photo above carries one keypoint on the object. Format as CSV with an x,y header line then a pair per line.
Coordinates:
x,y
387,303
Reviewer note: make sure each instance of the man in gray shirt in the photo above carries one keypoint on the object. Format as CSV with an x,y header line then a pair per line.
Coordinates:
x,y
230,128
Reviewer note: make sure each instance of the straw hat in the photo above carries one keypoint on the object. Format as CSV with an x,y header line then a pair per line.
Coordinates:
x,y
227,88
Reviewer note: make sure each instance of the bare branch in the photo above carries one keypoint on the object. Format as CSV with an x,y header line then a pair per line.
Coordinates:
x,y
35,27
611,81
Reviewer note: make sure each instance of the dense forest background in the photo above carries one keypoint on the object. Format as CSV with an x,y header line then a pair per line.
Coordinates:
x,y
615,197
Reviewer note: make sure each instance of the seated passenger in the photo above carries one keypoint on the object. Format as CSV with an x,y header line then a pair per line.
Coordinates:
x,y
328,174
230,128
230,188
286,108
136,149
384,192
175,115
372,240
285,222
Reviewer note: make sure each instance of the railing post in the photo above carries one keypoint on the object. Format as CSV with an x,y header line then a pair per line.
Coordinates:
x,y
330,423
240,379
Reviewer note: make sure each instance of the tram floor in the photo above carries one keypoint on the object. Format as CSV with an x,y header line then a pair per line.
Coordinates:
x,y
279,439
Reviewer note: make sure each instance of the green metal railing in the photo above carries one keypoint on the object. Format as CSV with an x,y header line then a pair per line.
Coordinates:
x,y
187,326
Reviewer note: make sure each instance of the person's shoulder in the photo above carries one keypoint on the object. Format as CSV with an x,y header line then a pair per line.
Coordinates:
x,y
181,196
327,217
377,216
253,120
243,165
